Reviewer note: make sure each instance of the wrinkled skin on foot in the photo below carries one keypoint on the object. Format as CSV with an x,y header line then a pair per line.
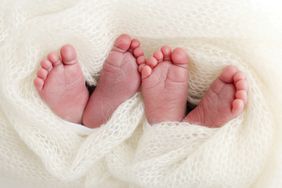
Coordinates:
x,y
164,85
224,100
118,82
60,83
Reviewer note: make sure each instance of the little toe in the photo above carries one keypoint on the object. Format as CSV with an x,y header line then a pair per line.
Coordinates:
x,y
166,50
228,74
140,67
237,107
42,73
158,55
46,64
54,58
152,62
122,43
68,55
242,94
146,71
137,52
38,83
179,57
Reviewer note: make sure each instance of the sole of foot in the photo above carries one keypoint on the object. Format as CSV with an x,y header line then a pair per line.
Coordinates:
x,y
224,100
119,80
165,85
61,84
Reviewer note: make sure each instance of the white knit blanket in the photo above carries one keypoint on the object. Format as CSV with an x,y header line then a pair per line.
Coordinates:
x,y
38,149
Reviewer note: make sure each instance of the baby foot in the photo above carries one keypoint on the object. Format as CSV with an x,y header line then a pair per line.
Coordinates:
x,y
224,100
164,85
60,83
119,81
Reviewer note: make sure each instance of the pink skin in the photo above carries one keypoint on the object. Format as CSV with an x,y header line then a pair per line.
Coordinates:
x,y
164,85
119,81
224,100
60,83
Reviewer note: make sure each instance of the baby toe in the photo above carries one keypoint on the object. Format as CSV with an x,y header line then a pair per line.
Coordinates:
x,y
54,58
146,71
242,94
138,52
42,73
158,55
134,44
38,83
239,76
241,85
152,62
140,67
237,107
46,64
166,50
140,60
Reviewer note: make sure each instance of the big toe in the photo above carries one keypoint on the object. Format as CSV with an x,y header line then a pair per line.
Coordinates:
x,y
228,74
122,43
68,54
179,57
178,73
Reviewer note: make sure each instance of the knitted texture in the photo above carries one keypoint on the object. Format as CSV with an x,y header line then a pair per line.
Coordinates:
x,y
38,149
